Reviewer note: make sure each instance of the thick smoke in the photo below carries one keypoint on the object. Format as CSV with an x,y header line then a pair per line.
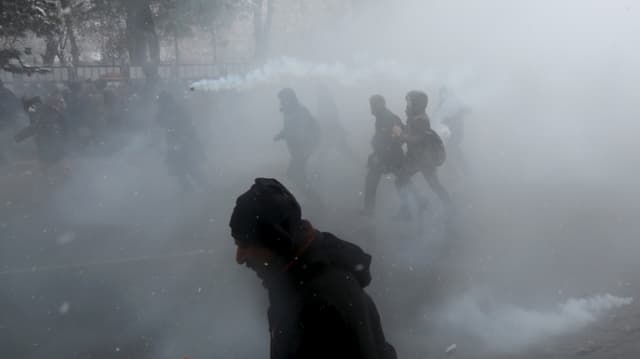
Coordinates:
x,y
288,70
548,205
506,328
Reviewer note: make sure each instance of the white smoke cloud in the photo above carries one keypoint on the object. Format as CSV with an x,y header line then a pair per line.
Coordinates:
x,y
287,69
511,328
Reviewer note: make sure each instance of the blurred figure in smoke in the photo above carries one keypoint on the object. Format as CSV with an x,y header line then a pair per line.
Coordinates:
x,y
9,111
315,281
47,127
334,134
9,107
425,149
81,115
387,157
451,113
185,153
302,135
115,122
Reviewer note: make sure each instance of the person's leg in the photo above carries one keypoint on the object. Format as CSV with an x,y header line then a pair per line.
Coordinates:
x,y
298,176
405,188
371,188
431,176
296,172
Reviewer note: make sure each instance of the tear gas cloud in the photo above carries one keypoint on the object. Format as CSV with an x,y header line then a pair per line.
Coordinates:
x,y
545,213
505,328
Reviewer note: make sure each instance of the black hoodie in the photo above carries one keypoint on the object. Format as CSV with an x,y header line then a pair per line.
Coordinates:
x,y
320,309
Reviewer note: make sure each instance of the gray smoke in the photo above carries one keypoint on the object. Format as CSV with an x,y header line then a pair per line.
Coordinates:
x,y
508,328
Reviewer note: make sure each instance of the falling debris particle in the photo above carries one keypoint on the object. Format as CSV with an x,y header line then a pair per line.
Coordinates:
x,y
451,349
66,238
590,348
64,308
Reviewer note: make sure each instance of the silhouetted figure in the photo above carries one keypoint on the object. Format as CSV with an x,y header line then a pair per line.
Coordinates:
x,y
301,134
425,150
185,153
47,128
10,107
82,114
334,135
315,281
387,156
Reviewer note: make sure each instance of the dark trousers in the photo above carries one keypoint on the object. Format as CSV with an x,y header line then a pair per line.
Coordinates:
x,y
404,186
430,174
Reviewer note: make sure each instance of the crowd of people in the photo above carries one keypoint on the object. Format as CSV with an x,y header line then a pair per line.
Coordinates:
x,y
316,281
94,118
403,149
97,118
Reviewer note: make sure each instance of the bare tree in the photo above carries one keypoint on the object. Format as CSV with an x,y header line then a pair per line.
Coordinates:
x,y
262,19
142,39
67,11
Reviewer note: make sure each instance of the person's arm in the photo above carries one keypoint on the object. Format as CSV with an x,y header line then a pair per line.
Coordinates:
x,y
284,133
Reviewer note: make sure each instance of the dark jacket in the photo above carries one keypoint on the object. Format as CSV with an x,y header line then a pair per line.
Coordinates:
x,y
47,127
387,148
416,136
300,130
320,310
9,107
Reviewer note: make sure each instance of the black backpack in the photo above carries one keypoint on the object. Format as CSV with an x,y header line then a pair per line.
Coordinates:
x,y
435,147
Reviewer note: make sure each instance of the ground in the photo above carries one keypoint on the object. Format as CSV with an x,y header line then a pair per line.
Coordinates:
x,y
166,286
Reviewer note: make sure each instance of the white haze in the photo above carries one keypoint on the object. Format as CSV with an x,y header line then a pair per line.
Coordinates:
x,y
508,328
547,212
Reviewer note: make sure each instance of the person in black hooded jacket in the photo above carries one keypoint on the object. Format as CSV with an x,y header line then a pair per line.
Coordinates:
x,y
318,306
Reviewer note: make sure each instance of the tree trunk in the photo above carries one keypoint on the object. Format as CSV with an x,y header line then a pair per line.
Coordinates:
x,y
214,43
75,50
142,39
51,50
262,18
176,50
68,24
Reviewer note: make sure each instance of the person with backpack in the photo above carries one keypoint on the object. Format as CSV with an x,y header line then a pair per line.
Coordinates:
x,y
387,157
425,149
302,136
318,306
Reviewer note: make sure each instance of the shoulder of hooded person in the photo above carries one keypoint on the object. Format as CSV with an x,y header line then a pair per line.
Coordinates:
x,y
332,268
332,288
419,123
